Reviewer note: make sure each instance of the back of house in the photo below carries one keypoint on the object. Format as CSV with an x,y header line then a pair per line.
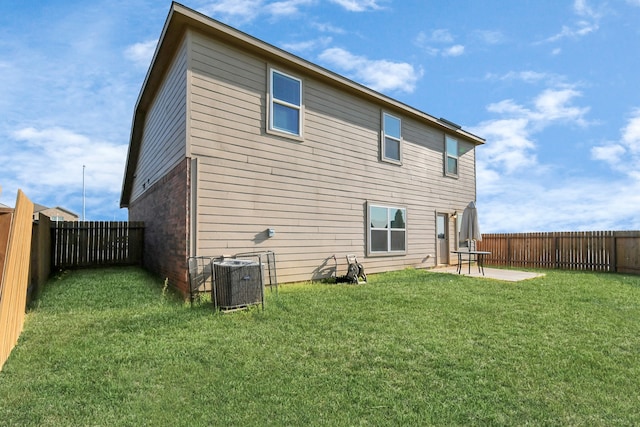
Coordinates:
x,y
238,146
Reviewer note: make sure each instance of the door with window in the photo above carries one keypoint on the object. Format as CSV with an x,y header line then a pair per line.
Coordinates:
x,y
442,238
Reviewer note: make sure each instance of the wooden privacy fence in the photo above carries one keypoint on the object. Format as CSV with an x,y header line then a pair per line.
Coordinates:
x,y
15,247
614,251
96,243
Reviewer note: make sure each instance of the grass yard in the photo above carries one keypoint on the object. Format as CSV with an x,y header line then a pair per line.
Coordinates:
x,y
109,348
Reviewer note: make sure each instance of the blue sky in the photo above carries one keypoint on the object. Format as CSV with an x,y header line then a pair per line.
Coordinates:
x,y
553,86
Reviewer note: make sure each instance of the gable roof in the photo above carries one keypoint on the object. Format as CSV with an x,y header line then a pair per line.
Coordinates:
x,y
37,207
181,17
60,208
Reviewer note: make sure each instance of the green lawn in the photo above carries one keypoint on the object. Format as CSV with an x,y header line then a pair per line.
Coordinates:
x,y
109,348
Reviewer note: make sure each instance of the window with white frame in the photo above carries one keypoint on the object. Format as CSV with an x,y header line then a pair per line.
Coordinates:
x,y
387,229
451,156
391,138
285,110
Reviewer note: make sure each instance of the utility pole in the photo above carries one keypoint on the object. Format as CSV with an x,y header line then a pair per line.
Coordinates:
x,y
83,194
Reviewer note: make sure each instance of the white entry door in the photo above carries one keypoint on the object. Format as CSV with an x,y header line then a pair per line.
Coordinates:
x,y
442,238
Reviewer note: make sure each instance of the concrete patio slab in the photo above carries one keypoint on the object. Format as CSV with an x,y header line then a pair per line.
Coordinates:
x,y
489,273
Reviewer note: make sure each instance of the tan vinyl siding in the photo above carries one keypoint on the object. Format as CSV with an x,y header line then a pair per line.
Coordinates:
x,y
163,142
312,192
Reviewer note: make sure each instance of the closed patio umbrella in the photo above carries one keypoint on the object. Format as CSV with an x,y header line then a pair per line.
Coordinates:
x,y
469,229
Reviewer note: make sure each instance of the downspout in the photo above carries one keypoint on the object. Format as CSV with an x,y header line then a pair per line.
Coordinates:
x,y
193,207
192,191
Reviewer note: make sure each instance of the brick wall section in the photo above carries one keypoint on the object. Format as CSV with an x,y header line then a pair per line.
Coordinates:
x,y
164,208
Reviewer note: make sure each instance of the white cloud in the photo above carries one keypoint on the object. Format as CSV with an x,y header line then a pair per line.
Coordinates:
x,y
555,105
490,36
141,53
233,10
509,146
609,153
631,133
358,5
527,76
440,36
508,106
455,50
623,156
380,75
510,139
551,105
327,28
558,89
581,29
286,7
242,11
583,9
308,45
587,24
432,43
47,163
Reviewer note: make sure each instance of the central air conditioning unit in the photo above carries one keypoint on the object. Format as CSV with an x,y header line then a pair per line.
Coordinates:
x,y
237,283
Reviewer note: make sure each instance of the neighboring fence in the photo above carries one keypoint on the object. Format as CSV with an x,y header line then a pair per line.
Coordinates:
x,y
96,243
15,247
614,251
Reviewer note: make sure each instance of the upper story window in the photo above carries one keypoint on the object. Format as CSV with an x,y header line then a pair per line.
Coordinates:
x,y
285,112
387,230
451,156
391,138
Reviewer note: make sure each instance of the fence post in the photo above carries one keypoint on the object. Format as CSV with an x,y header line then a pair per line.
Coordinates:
x,y
556,252
614,253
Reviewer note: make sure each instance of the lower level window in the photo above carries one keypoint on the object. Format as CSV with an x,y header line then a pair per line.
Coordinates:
x,y
387,229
